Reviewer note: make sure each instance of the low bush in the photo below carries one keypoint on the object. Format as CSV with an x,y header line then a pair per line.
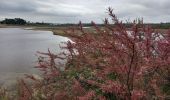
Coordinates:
x,y
110,63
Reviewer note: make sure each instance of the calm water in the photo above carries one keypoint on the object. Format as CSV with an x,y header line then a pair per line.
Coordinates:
x,y
18,49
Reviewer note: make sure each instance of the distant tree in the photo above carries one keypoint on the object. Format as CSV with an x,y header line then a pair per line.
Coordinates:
x,y
20,21
17,21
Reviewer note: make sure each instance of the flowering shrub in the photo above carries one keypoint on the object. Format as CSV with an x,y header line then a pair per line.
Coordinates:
x,y
110,63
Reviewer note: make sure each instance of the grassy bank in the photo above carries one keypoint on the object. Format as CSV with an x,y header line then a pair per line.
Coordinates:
x,y
57,30
60,30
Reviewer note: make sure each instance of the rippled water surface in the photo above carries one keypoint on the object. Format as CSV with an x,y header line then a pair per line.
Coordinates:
x,y
18,49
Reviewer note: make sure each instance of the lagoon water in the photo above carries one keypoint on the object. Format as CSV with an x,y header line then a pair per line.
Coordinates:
x,y
18,49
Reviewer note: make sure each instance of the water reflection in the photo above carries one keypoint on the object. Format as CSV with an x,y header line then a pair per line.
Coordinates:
x,y
18,48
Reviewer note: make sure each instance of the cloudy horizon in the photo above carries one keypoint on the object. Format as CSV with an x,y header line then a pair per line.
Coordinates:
x,y
72,11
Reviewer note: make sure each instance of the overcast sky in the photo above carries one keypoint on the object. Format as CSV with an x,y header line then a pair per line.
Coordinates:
x,y
71,11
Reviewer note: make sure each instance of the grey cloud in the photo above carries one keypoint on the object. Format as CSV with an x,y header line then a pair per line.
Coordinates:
x,y
16,6
71,11
157,7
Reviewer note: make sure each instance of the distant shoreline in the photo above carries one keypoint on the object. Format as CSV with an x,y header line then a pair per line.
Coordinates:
x,y
57,30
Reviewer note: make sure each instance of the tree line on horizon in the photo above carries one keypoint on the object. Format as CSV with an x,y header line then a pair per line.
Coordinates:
x,y
15,21
20,21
